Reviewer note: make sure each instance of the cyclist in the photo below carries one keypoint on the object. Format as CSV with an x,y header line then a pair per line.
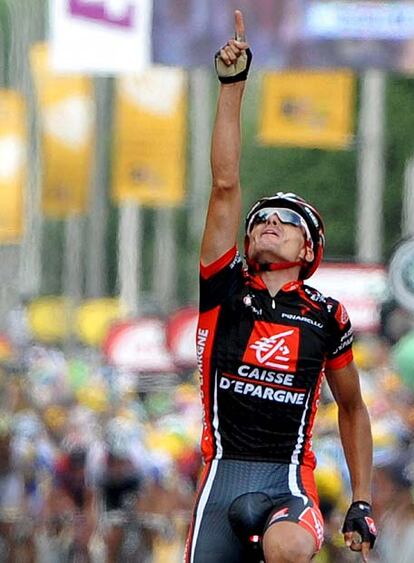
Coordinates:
x,y
264,342
119,487
72,498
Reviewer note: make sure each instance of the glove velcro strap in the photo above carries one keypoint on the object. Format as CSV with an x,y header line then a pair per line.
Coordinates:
x,y
236,72
364,503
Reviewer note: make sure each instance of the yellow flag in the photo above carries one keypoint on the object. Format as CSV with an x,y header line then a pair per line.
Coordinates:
x,y
67,112
307,109
13,143
150,133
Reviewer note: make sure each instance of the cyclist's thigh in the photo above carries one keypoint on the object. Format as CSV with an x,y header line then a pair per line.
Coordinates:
x,y
300,510
211,538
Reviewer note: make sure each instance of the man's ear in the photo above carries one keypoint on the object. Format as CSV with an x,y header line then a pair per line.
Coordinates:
x,y
309,254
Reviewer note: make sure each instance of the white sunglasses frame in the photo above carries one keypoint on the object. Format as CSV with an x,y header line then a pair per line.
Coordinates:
x,y
275,211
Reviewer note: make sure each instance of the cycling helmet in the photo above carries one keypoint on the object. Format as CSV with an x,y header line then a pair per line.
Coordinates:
x,y
315,231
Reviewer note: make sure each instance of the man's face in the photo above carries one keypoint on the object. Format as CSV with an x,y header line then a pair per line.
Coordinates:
x,y
275,241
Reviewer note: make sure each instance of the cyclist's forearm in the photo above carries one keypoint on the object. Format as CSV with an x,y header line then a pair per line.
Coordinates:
x,y
226,141
355,431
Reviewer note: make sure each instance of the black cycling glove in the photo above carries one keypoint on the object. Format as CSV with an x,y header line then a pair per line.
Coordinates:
x,y
359,519
236,72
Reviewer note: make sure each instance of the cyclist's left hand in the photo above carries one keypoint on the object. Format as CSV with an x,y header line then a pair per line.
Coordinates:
x,y
232,62
359,528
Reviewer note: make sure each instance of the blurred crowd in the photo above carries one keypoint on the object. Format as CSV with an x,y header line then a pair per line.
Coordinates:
x,y
388,389
94,463
98,464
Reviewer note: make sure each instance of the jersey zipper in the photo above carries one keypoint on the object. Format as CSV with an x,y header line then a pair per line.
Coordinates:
x,y
273,304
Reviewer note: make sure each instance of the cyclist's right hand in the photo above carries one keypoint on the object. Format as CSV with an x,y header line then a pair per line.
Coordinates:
x,y
232,62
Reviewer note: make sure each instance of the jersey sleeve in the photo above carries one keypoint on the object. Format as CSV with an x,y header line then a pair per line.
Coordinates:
x,y
339,350
220,279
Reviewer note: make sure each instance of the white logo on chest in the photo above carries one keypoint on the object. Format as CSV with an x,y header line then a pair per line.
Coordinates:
x,y
273,350
248,301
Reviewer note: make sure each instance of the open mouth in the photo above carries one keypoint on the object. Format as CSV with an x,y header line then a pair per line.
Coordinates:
x,y
271,232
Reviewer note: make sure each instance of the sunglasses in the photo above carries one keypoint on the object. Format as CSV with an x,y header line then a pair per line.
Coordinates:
x,y
285,216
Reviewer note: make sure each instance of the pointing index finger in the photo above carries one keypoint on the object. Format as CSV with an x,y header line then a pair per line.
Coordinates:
x,y
239,26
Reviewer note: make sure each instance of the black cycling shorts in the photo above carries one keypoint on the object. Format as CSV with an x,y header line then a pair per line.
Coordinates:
x,y
290,488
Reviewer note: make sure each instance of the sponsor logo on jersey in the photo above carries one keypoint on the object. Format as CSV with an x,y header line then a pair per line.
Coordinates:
x,y
201,342
311,519
267,376
346,340
315,295
283,513
341,316
248,301
260,391
202,335
301,318
371,525
273,346
236,260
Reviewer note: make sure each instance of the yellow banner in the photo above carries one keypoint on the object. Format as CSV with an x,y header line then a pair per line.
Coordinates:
x,y
47,319
67,112
50,319
13,146
307,109
149,138
94,317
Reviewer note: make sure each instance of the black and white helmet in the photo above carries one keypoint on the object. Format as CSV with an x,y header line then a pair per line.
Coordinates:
x,y
309,214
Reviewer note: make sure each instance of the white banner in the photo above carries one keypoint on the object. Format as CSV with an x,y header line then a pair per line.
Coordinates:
x,y
100,36
139,345
361,288
360,20
181,336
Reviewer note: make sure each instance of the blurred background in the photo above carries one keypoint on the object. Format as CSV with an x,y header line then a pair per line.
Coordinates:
x,y
106,110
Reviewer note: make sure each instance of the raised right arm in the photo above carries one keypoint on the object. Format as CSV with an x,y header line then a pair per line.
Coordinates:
x,y
223,216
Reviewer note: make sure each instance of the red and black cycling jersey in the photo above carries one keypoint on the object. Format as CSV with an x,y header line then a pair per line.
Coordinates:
x,y
261,362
